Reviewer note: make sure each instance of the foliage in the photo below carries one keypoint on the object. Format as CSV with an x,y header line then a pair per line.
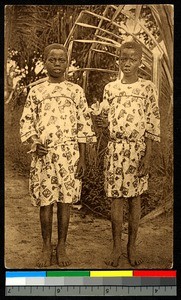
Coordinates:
x,y
29,28
15,153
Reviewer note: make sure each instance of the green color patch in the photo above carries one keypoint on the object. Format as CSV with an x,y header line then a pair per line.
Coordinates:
x,y
68,273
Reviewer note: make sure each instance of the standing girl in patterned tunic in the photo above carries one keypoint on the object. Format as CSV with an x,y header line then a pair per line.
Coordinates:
x,y
133,119
57,123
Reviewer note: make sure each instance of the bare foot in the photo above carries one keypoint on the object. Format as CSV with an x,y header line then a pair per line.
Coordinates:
x,y
113,259
62,258
133,260
46,257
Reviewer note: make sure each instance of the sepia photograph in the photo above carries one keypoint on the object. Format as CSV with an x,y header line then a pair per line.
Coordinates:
x,y
88,136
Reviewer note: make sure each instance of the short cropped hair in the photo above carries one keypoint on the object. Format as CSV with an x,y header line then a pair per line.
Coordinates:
x,y
132,45
52,47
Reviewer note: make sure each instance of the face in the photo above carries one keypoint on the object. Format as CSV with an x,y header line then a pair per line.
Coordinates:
x,y
56,63
129,62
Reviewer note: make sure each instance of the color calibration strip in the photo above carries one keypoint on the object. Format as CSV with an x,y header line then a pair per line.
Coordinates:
x,y
81,283
132,278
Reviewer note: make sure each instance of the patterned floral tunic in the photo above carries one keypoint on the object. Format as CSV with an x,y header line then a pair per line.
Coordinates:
x,y
59,115
133,114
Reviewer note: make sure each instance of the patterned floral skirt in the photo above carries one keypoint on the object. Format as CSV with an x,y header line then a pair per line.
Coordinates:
x,y
121,168
52,178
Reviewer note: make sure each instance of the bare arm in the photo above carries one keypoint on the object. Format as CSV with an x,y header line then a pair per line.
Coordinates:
x,y
81,163
144,166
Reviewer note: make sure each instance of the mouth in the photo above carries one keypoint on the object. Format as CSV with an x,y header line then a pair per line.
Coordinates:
x,y
57,70
127,70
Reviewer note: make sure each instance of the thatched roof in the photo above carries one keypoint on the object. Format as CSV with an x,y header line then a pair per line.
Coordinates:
x,y
116,24
101,34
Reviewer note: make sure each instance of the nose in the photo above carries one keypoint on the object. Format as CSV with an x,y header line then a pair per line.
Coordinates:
x,y
57,62
127,63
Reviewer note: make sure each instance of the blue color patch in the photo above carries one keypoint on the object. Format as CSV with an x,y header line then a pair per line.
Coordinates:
x,y
10,274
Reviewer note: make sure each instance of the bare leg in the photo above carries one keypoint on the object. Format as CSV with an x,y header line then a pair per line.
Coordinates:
x,y
46,215
63,216
117,221
134,218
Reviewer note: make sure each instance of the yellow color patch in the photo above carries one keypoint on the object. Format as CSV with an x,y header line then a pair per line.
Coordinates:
x,y
111,273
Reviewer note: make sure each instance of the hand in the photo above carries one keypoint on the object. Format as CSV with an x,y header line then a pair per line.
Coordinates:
x,y
95,108
102,121
81,167
144,167
41,150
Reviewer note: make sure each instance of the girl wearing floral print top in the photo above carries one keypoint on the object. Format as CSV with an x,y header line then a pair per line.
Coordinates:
x,y
133,119
57,123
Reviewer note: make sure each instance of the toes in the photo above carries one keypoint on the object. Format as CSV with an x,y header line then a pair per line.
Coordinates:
x,y
44,264
107,262
115,264
68,263
138,262
45,259
135,262
132,263
112,262
63,262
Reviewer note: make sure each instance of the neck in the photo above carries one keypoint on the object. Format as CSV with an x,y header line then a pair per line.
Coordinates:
x,y
56,79
130,79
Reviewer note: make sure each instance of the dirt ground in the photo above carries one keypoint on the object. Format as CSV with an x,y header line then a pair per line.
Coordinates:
x,y
89,237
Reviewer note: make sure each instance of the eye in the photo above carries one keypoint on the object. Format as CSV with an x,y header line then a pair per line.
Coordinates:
x,y
51,60
123,59
62,61
133,60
